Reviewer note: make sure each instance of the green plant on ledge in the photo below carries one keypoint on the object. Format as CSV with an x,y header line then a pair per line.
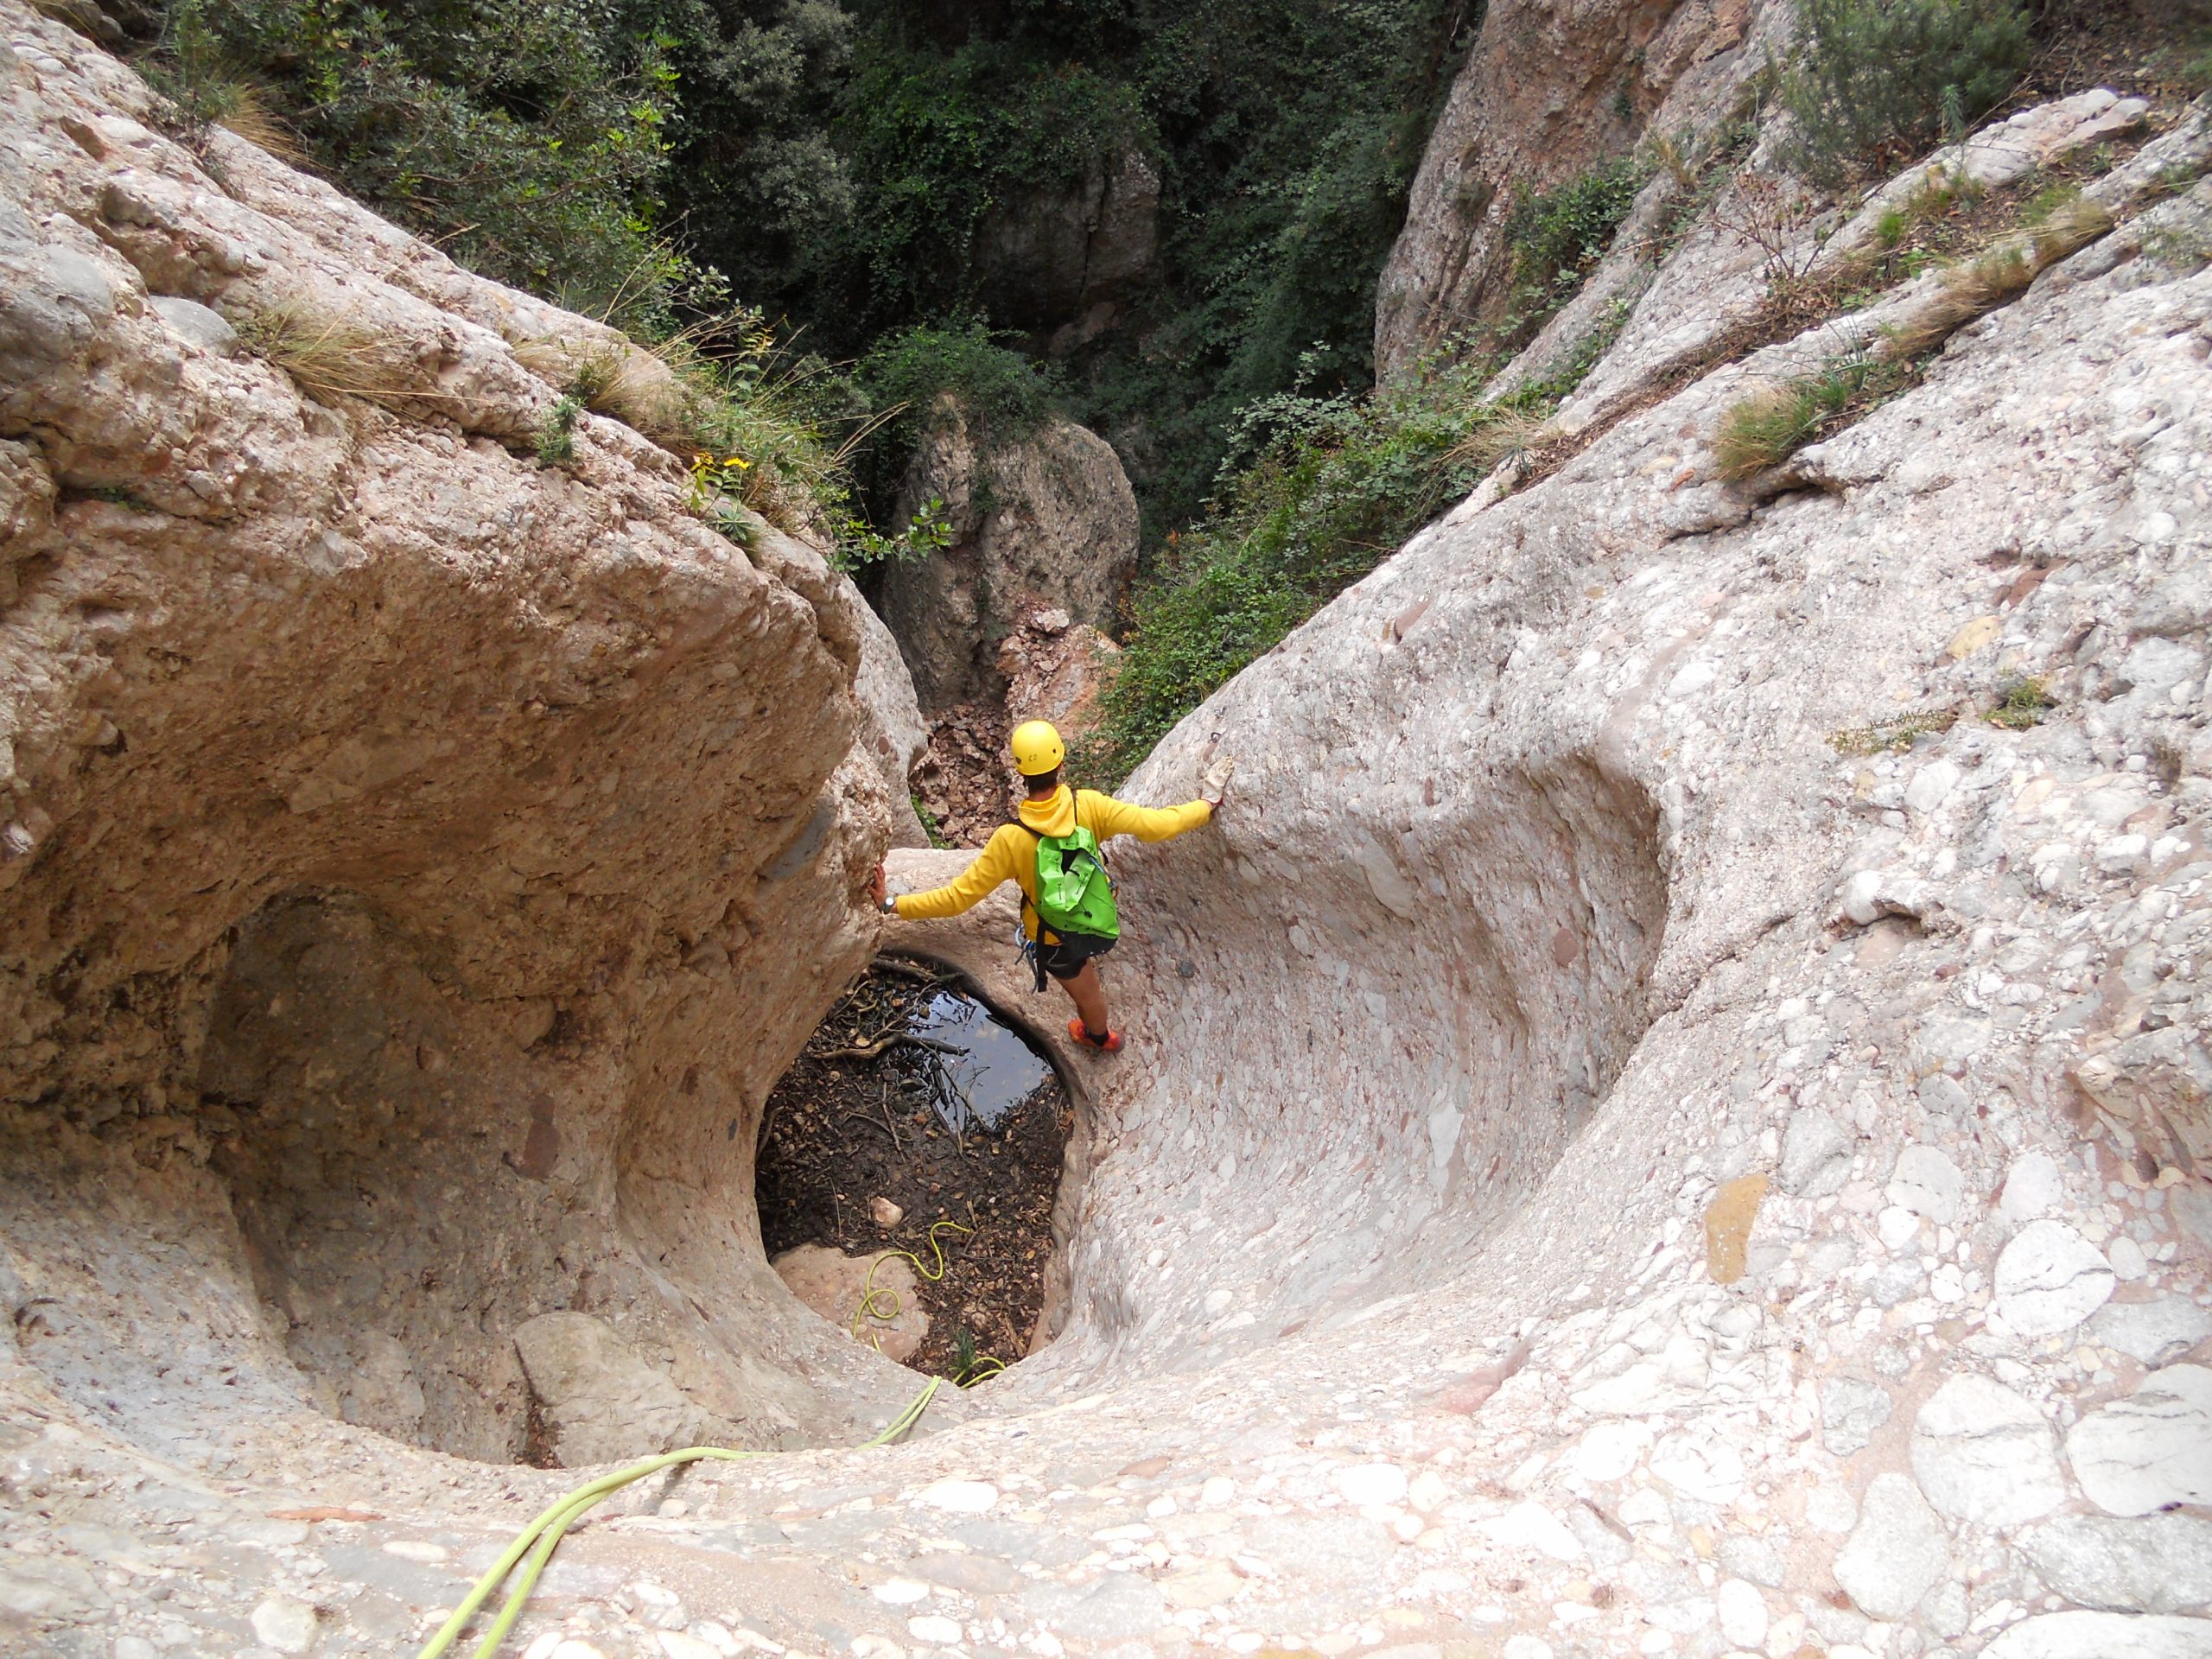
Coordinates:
x,y
556,437
2021,704
1767,428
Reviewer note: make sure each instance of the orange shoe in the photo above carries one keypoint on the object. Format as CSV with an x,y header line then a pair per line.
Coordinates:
x,y
1080,1034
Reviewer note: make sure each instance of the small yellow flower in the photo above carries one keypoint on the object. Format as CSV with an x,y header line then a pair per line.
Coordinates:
x,y
737,461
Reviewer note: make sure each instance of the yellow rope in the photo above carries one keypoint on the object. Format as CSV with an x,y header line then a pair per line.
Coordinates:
x,y
881,1303
540,1538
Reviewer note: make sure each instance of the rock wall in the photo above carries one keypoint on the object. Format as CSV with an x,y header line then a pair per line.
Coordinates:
x,y
397,837
1047,521
1062,262
1547,91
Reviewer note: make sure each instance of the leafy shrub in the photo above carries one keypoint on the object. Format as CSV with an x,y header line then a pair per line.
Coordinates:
x,y
1869,82
1317,492
524,135
909,370
556,437
206,89
1558,237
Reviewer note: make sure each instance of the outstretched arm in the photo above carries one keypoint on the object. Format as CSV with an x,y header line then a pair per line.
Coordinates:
x,y
1112,817
968,889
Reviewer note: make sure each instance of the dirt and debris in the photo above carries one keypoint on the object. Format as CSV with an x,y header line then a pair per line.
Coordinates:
x,y
963,779
911,1104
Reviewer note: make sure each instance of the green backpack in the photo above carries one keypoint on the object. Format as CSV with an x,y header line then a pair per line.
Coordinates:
x,y
1074,893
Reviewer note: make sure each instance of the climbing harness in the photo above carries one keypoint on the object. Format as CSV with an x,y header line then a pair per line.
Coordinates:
x,y
542,1536
892,1305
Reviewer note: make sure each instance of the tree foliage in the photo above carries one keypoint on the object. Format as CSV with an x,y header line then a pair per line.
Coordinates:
x,y
1871,81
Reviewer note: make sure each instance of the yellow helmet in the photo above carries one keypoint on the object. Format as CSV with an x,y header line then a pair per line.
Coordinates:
x,y
1037,748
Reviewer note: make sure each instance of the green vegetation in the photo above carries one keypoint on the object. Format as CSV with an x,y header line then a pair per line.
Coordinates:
x,y
1767,428
557,437
1871,82
1317,492
1559,237
2021,704
930,827
1893,736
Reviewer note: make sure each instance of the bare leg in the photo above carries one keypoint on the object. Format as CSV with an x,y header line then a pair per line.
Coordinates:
x,y
1089,995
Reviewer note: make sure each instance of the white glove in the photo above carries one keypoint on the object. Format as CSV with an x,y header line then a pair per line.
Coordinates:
x,y
1215,784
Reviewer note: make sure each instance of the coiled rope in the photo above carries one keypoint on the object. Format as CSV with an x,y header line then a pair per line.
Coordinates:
x,y
883,1304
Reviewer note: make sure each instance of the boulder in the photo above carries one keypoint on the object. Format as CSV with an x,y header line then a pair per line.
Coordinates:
x,y
1045,521
597,1400
833,1284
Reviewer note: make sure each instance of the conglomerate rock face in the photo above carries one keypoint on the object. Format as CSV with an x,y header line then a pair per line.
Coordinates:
x,y
1047,520
397,833
1649,1125
1547,91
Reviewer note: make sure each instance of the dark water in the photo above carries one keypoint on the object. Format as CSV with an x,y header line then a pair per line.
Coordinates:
x,y
999,1069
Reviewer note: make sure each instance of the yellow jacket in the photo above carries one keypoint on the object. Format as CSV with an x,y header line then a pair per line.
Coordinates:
x,y
1011,856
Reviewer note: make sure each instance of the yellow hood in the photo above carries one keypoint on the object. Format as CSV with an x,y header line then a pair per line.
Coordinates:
x,y
1054,816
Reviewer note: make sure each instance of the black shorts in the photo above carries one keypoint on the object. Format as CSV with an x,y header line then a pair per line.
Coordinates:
x,y
1063,958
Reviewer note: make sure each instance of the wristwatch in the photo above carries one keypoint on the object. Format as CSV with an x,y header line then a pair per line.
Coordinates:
x,y
889,906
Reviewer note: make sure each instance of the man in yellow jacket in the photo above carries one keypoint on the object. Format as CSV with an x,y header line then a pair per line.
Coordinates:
x,y
1053,809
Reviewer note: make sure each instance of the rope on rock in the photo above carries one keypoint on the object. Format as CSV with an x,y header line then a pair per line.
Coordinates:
x,y
542,1536
881,1303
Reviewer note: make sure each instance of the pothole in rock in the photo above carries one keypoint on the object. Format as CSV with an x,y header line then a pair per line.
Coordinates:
x,y
910,1158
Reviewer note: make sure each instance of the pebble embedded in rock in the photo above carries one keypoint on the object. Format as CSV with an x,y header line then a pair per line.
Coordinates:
x,y
2082,1634
1927,1184
2154,1333
2033,1189
2160,1563
1897,1553
1985,1455
285,1623
2150,1449
1816,1153
1743,1613
961,1497
2049,1279
1369,1484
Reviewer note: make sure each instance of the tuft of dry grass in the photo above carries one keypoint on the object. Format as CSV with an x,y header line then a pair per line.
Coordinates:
x,y
1999,272
328,355
634,385
1506,433
1774,422
249,114
1893,736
